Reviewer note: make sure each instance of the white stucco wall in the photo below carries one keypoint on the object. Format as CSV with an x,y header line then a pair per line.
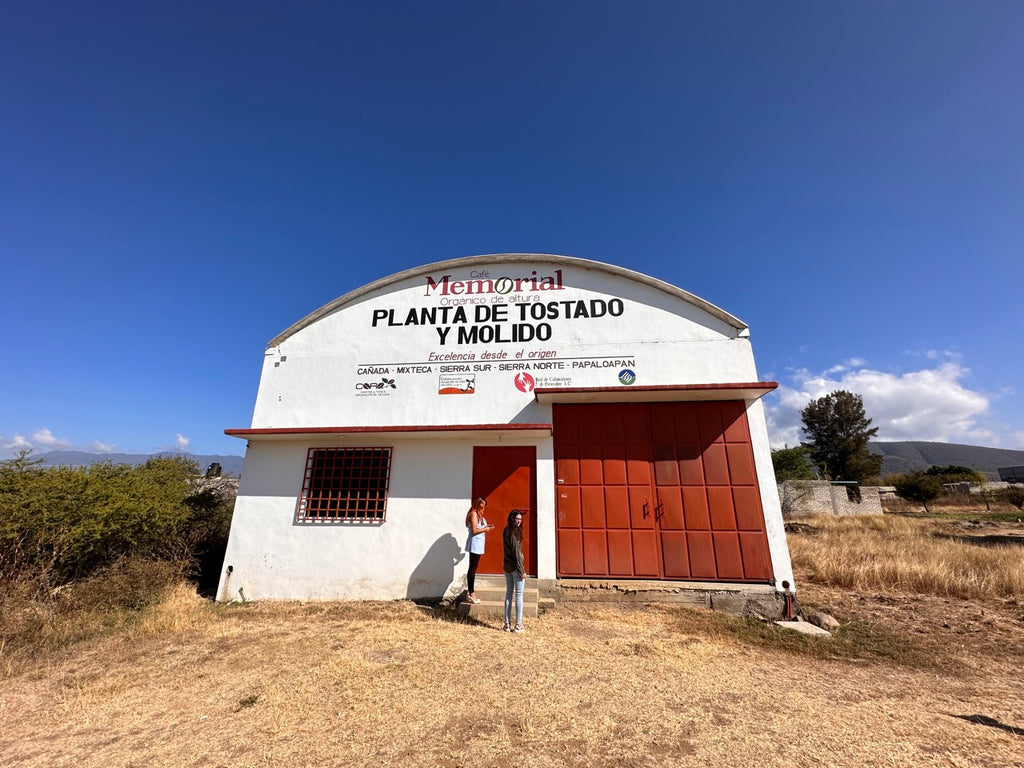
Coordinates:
x,y
416,552
358,363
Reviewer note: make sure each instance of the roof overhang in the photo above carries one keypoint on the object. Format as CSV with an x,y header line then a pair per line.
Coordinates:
x,y
746,391
395,431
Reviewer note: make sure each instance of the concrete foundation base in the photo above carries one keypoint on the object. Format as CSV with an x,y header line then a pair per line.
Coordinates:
x,y
761,600
757,600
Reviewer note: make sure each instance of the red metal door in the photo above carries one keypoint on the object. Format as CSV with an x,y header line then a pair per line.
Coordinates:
x,y
642,514
606,523
504,475
661,490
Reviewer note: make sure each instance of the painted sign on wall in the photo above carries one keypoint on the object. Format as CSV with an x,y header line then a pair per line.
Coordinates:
x,y
472,345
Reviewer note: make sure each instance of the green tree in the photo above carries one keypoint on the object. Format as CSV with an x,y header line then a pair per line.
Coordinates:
x,y
838,432
919,486
792,464
955,473
63,523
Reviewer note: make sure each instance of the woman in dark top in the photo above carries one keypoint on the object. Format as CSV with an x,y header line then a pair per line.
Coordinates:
x,y
515,568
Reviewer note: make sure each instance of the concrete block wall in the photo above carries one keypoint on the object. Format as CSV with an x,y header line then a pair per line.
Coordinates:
x,y
820,497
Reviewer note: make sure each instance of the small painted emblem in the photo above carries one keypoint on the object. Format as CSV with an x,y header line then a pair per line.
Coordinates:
x,y
524,382
627,376
373,385
455,384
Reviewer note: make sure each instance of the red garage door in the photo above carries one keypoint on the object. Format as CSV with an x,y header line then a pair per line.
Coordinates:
x,y
658,491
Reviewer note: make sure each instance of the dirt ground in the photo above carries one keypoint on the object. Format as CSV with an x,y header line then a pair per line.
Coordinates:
x,y
988,633
988,532
391,684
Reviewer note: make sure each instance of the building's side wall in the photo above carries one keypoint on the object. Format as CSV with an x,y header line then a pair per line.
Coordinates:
x,y
770,503
417,552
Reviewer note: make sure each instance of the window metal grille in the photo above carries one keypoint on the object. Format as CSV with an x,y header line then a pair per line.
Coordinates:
x,y
345,485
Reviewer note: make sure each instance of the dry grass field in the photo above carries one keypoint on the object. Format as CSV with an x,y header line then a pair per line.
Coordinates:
x,y
907,554
920,674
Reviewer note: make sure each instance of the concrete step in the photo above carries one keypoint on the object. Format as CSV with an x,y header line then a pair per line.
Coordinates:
x,y
490,593
495,609
490,590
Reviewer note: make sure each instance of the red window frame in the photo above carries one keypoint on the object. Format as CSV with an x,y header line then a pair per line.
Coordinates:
x,y
345,485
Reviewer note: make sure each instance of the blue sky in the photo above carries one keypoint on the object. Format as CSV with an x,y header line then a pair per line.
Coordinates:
x,y
179,182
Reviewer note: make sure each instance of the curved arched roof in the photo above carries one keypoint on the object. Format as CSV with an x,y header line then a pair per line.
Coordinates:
x,y
508,258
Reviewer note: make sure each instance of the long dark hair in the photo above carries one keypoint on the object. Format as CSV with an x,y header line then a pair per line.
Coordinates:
x,y
480,500
511,529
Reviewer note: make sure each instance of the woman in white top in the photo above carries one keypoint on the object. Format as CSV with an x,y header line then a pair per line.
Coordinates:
x,y
478,528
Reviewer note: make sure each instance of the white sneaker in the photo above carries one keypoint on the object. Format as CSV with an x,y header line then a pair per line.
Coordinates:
x,y
519,628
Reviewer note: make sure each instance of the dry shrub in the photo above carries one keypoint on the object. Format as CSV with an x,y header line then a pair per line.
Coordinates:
x,y
180,610
131,584
883,552
1014,496
38,625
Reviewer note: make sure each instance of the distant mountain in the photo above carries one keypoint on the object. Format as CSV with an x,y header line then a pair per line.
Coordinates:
x,y
230,465
904,457
896,458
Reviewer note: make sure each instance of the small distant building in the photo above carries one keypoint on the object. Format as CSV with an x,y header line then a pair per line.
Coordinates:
x,y
1011,474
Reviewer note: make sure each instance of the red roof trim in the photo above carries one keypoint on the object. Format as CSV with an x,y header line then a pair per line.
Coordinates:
x,y
652,394
283,431
767,386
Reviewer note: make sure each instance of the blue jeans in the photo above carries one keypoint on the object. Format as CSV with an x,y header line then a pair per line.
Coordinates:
x,y
517,580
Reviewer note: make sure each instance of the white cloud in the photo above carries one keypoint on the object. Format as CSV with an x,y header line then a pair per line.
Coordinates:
x,y
930,404
181,442
44,439
18,443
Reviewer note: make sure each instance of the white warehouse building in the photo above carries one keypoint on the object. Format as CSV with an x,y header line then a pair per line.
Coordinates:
x,y
621,412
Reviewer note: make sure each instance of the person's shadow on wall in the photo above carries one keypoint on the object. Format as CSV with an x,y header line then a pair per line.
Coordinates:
x,y
436,571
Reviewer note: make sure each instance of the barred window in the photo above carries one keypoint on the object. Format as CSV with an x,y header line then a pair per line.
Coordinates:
x,y
345,485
